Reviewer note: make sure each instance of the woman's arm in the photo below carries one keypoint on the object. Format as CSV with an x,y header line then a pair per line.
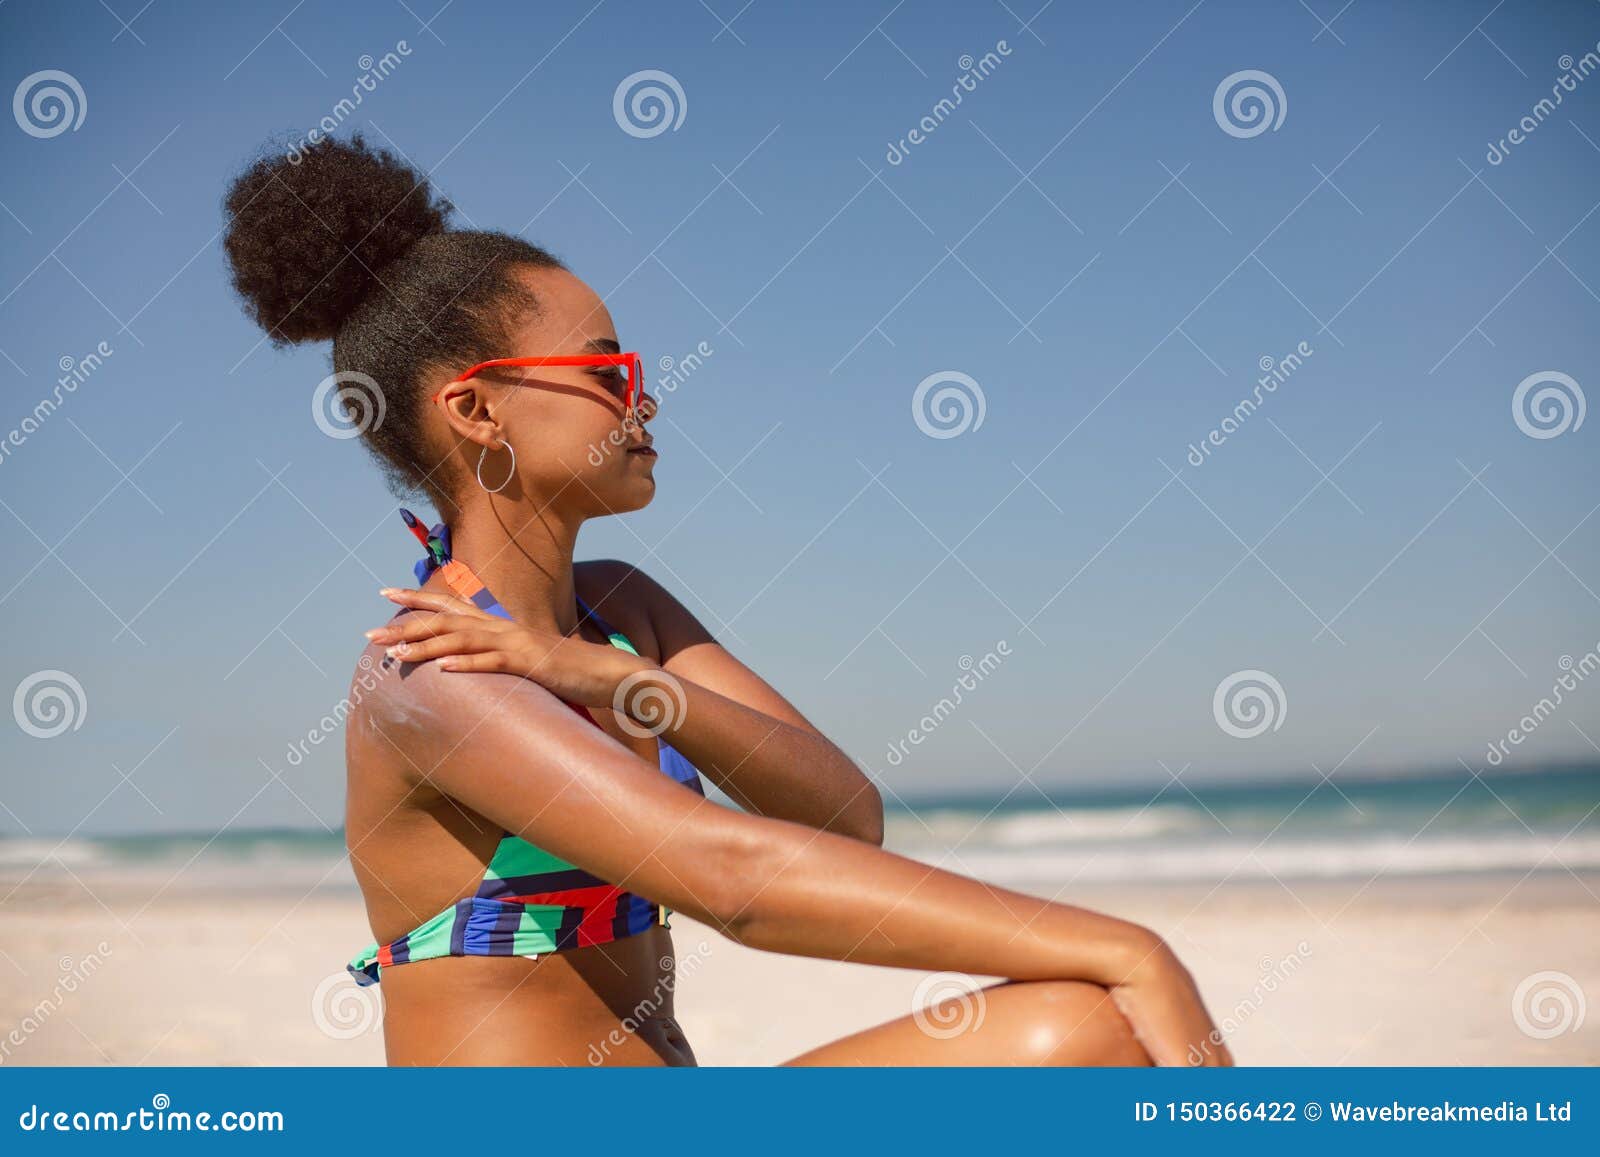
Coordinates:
x,y
746,737
508,749
766,757
729,722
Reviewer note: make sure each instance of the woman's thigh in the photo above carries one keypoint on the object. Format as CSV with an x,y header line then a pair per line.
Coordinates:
x,y
1052,1022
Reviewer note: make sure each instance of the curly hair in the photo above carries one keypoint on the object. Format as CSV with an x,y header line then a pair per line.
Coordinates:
x,y
345,242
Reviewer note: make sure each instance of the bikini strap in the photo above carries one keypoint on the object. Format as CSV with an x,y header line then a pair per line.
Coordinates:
x,y
594,616
467,585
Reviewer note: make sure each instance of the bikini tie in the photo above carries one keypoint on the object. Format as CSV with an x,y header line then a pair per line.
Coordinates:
x,y
436,541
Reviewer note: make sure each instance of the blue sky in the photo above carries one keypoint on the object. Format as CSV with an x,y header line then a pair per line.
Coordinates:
x,y
1081,237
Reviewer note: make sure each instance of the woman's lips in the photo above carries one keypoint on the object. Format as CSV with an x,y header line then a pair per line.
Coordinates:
x,y
644,451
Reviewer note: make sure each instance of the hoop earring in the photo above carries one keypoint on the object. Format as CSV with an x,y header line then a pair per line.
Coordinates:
x,y
512,473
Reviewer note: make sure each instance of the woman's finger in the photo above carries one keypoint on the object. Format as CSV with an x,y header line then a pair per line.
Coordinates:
x,y
433,601
452,643
426,624
493,661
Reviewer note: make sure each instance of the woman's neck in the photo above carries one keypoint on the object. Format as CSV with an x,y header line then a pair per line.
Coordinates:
x,y
524,556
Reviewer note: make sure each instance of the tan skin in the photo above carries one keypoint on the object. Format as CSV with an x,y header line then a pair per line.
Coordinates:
x,y
465,737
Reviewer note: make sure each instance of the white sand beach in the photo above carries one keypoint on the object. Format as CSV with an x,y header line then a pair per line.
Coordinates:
x,y
1396,972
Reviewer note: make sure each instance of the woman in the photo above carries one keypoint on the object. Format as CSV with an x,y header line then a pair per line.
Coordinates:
x,y
507,810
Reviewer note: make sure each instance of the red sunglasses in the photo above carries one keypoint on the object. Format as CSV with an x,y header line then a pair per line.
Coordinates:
x,y
631,394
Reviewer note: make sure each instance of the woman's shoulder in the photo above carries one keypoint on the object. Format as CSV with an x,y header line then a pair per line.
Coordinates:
x,y
386,693
610,576
405,716
389,696
654,620
623,595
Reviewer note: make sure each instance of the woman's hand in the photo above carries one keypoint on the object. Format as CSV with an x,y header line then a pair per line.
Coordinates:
x,y
464,637
1160,1001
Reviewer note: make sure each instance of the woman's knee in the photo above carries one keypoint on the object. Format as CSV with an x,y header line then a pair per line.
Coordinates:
x,y
1070,1022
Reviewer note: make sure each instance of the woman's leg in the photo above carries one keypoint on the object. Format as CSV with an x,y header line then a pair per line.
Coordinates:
x,y
1054,1022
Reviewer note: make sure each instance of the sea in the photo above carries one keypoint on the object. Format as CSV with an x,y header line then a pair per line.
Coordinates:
x,y
1447,823
1444,824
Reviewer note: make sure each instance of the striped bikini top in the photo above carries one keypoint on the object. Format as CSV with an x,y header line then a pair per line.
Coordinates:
x,y
530,902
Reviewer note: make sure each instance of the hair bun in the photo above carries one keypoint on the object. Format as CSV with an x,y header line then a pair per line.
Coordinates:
x,y
308,232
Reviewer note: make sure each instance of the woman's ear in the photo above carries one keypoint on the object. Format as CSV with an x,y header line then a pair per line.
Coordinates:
x,y
466,410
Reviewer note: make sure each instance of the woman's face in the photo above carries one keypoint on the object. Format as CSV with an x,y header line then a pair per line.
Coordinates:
x,y
576,449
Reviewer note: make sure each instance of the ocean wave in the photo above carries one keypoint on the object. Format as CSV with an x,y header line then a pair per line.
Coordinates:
x,y
1038,828
228,861
1216,860
27,853
1406,827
